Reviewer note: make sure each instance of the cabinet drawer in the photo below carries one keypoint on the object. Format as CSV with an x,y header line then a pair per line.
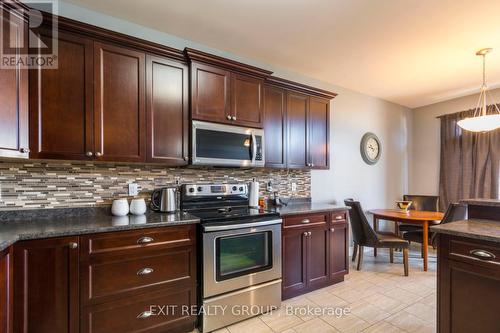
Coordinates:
x,y
167,237
338,216
305,220
160,312
112,278
467,250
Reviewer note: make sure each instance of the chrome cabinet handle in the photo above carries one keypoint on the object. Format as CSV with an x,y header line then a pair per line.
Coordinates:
x,y
145,314
482,254
73,245
145,240
234,118
89,154
98,154
305,233
24,150
186,158
145,271
339,217
305,221
228,117
309,233
332,229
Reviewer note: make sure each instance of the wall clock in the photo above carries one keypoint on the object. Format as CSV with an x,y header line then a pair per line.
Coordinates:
x,y
371,149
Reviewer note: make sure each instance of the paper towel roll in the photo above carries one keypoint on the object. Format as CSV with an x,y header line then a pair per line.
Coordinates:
x,y
253,194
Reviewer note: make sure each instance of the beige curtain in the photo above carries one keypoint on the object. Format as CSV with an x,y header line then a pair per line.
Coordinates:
x,y
469,162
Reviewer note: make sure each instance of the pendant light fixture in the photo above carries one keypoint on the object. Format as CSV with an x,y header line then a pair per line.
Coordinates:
x,y
482,120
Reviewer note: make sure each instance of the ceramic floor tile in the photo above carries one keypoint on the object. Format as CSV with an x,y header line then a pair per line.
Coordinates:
x,y
347,323
406,321
280,320
314,326
422,311
253,325
382,327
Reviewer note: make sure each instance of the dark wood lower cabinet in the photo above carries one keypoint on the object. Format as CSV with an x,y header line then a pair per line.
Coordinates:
x,y
46,286
107,282
468,288
5,291
314,252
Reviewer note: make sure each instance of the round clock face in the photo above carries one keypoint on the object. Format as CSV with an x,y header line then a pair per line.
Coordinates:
x,y
370,148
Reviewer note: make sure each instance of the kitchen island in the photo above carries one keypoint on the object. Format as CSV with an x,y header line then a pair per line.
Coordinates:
x,y
469,270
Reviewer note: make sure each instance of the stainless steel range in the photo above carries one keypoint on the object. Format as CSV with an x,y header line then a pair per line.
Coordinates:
x,y
241,253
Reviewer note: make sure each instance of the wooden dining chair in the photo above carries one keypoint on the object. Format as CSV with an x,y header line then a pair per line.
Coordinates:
x,y
364,235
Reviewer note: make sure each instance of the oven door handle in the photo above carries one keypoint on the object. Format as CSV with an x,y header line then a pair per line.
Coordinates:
x,y
209,228
254,148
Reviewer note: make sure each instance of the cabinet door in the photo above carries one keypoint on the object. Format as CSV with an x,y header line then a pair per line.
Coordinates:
x,y
339,240
294,259
318,133
210,98
167,111
297,109
119,110
61,119
317,257
46,286
275,126
246,101
5,291
13,93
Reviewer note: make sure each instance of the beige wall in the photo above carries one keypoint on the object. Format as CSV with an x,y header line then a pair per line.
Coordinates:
x,y
353,114
425,148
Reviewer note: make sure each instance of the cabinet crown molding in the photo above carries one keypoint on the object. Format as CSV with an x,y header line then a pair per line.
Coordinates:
x,y
280,82
199,56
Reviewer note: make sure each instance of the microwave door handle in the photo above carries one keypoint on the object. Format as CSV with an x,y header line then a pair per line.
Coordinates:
x,y
254,148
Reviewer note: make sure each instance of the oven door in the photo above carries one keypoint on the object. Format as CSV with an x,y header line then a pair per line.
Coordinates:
x,y
239,258
226,145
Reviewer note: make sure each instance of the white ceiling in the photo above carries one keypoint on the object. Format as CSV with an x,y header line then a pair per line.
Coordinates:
x,y
411,52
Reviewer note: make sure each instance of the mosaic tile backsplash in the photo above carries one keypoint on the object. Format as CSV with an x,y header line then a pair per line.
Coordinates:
x,y
30,185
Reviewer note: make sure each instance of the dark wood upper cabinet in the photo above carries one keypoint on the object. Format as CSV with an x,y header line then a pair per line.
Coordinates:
x,y
318,133
275,126
297,110
5,291
210,96
119,104
46,286
167,108
246,100
13,92
61,118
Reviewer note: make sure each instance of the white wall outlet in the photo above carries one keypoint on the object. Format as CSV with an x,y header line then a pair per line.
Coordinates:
x,y
294,187
133,189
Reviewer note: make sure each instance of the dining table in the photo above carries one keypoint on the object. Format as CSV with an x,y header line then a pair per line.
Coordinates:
x,y
417,217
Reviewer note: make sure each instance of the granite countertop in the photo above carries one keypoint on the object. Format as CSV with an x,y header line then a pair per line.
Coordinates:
x,y
487,230
35,224
296,208
482,202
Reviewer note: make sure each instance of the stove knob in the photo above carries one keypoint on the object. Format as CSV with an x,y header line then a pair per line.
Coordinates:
x,y
234,188
200,189
241,189
191,190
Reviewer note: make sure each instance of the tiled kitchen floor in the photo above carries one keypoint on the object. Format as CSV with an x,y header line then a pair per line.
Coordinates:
x,y
379,298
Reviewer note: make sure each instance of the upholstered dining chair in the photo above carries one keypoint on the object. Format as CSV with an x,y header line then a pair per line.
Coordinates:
x,y
364,235
419,202
455,212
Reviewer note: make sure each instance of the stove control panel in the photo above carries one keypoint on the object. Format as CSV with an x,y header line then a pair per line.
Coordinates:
x,y
215,189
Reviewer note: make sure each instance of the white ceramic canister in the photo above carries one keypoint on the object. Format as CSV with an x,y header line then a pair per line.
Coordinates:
x,y
138,206
120,207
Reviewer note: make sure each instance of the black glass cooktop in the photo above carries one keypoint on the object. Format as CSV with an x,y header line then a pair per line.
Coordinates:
x,y
236,214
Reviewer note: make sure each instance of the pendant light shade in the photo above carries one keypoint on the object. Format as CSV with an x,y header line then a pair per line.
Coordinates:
x,y
482,120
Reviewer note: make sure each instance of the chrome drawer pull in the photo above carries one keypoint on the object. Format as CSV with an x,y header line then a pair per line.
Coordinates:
x,y
483,254
305,233
305,221
339,217
144,315
332,229
145,271
145,240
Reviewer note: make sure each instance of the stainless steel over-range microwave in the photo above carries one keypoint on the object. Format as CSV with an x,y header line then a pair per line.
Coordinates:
x,y
227,145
